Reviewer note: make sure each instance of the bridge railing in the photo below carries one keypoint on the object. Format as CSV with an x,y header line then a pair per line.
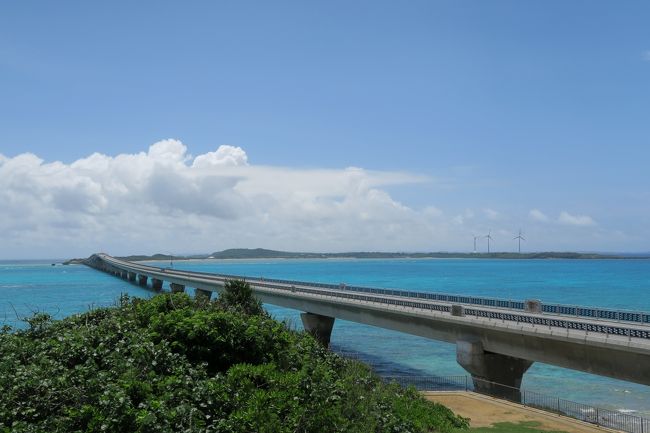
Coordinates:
x,y
597,313
595,415
479,313
558,309
561,323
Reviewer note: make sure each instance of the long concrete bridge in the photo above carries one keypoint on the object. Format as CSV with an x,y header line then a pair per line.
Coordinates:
x,y
496,340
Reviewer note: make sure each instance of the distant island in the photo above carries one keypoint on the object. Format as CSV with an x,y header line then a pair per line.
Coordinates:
x,y
261,253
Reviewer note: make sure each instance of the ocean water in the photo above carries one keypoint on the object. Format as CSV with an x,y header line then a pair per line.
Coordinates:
x,y
27,287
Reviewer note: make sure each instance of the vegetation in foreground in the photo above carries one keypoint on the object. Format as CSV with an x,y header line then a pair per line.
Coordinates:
x,y
175,364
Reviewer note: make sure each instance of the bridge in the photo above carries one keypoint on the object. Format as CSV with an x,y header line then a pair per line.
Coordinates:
x,y
496,340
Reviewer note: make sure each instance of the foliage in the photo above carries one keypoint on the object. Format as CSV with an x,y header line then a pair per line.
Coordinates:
x,y
173,364
238,296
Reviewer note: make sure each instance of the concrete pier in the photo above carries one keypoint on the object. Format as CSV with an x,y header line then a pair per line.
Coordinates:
x,y
156,284
203,294
131,276
142,280
319,326
177,288
490,371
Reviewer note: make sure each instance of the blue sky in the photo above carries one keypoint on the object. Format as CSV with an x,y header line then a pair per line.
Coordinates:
x,y
498,108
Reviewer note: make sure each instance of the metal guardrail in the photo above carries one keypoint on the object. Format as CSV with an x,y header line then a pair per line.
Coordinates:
x,y
511,317
602,417
558,309
423,301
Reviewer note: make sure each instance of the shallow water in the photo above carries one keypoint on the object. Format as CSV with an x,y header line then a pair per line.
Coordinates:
x,y
26,287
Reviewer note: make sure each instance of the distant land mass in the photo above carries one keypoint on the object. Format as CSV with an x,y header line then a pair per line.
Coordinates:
x,y
261,253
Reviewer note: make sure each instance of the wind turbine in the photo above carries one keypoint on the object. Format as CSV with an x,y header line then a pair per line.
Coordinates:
x,y
475,238
171,259
489,238
520,238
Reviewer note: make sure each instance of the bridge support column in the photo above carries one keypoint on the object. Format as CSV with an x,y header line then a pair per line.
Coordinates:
x,y
177,288
156,284
492,373
202,294
320,327
142,280
131,276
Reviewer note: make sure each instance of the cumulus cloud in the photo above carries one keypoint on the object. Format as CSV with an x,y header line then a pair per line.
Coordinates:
x,y
166,199
168,152
224,156
575,220
538,215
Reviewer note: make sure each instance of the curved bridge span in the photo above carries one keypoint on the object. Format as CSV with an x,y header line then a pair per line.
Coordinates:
x,y
496,340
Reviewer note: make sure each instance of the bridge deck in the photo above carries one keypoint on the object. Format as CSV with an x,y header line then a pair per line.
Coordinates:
x,y
619,349
615,331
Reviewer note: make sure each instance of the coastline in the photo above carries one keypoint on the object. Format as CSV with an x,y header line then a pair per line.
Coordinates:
x,y
266,254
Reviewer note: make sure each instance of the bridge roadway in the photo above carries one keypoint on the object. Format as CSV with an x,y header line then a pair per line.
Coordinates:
x,y
493,344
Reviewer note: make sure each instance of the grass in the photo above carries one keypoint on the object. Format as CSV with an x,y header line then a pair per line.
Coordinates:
x,y
511,427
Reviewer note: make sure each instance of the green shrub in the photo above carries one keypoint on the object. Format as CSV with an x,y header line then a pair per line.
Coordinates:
x,y
238,296
172,364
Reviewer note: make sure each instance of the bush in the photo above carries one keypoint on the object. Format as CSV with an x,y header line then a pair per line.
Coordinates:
x,y
171,364
238,296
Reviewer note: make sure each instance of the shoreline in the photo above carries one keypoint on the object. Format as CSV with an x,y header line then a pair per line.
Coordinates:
x,y
266,254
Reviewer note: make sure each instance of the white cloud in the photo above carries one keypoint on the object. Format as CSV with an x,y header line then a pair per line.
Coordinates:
x,y
575,220
491,214
463,218
225,156
168,152
432,212
538,215
646,55
164,199
564,218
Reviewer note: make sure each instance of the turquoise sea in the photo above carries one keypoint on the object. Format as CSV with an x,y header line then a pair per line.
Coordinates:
x,y
31,286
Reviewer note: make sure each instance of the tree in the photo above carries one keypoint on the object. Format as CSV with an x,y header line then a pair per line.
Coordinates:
x,y
238,296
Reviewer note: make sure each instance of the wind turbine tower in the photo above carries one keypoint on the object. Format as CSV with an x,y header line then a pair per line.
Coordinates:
x,y
519,238
475,238
489,238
